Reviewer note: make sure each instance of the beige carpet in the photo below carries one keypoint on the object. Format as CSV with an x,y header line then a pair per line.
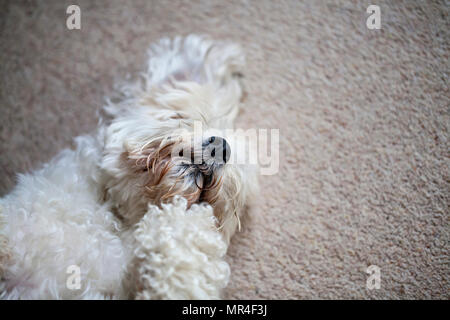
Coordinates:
x,y
363,115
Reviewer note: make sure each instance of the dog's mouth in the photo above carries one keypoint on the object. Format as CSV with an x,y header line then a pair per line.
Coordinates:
x,y
205,167
207,179
202,174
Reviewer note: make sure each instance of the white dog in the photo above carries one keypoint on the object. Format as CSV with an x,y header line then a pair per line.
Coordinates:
x,y
144,207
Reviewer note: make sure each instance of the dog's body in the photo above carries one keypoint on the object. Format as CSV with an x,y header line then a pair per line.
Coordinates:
x,y
94,209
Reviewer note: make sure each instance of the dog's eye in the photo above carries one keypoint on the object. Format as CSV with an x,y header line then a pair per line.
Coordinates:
x,y
181,153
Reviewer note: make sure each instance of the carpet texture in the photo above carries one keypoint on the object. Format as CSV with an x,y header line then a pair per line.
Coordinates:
x,y
363,115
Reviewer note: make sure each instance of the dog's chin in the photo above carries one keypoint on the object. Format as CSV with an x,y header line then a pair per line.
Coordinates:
x,y
194,183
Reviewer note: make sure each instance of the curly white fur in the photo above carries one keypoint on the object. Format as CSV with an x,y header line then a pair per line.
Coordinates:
x,y
179,253
89,207
54,219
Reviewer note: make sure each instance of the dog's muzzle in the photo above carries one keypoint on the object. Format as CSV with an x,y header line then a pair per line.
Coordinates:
x,y
215,150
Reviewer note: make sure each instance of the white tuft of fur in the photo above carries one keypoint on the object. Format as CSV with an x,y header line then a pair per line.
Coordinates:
x,y
179,253
194,58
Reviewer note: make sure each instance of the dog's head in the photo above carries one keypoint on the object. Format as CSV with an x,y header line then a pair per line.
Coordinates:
x,y
153,154
179,164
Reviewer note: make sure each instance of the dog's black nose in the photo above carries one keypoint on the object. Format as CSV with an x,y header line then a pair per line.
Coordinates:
x,y
216,149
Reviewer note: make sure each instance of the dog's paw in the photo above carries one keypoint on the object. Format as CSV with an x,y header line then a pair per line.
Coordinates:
x,y
179,254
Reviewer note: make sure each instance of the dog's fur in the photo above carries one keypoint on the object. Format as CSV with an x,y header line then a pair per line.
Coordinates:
x,y
138,222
